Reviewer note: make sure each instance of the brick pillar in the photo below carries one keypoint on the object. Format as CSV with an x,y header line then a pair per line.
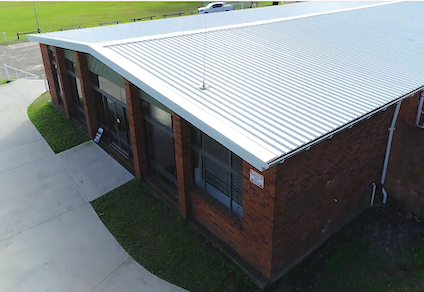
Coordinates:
x,y
135,119
89,103
63,75
48,68
183,163
259,216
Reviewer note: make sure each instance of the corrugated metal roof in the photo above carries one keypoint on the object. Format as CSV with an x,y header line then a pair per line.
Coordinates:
x,y
278,86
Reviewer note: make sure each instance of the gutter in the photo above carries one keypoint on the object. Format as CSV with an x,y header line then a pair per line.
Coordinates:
x,y
330,135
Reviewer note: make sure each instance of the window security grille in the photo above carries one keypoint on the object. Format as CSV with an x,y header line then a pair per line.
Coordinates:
x,y
218,172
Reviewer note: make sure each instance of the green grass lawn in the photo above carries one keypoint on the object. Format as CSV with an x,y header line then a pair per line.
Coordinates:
x,y
382,250
163,242
59,132
3,81
19,16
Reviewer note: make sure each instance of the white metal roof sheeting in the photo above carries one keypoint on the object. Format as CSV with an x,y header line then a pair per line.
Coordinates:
x,y
284,84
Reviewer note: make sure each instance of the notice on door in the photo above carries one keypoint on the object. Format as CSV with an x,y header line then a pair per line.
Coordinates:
x,y
256,178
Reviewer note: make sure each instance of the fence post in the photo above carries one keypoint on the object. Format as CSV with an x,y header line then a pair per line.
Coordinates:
x,y
17,35
7,72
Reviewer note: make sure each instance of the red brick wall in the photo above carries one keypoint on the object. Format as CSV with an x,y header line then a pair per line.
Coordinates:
x,y
408,109
88,99
182,146
49,72
406,165
305,199
136,125
322,189
251,237
63,76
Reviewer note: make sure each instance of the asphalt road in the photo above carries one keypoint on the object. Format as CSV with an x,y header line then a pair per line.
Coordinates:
x,y
24,55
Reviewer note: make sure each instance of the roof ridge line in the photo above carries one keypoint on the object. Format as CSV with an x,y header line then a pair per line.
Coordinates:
x,y
234,26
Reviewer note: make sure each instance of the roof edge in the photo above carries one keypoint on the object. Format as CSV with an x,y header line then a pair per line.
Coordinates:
x,y
329,135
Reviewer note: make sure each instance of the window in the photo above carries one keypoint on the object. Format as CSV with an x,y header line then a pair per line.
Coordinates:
x,y
218,171
113,89
77,96
58,84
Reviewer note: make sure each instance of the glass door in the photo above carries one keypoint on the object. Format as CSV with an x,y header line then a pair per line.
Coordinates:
x,y
117,125
162,155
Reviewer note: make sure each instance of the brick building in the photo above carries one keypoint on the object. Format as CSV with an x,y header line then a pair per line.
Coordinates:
x,y
271,128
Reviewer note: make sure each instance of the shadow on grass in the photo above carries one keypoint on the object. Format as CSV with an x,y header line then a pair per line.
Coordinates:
x,y
381,250
59,132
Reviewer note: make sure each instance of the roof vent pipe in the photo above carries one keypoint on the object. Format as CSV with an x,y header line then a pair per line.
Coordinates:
x,y
204,86
389,145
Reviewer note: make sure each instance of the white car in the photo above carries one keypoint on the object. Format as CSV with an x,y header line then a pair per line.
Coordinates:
x,y
215,7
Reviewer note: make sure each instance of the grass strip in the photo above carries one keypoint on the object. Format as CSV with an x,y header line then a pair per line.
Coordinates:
x,y
157,237
59,132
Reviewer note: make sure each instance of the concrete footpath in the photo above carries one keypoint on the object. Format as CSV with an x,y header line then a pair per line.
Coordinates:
x,y
51,239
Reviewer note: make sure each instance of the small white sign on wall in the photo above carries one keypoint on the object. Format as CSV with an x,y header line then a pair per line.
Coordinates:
x,y
98,135
256,178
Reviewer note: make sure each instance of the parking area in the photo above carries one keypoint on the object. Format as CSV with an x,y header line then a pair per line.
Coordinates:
x,y
22,55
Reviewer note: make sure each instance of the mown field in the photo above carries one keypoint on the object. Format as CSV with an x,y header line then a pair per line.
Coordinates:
x,y
19,16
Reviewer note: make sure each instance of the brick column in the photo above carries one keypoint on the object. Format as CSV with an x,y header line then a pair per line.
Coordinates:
x,y
259,217
49,72
63,75
135,120
89,103
183,163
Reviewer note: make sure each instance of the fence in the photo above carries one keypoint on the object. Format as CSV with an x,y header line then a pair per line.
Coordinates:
x,y
25,33
20,73
143,18
4,34
109,22
237,5
174,14
69,28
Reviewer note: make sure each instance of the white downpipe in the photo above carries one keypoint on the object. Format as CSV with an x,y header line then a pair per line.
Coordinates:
x,y
373,193
420,108
383,190
389,145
